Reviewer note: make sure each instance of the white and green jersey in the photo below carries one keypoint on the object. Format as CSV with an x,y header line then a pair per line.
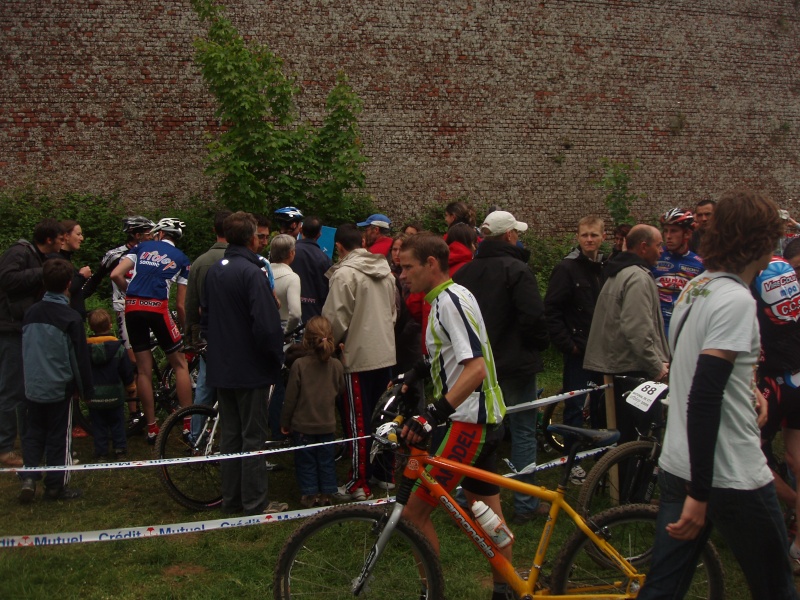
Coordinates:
x,y
456,333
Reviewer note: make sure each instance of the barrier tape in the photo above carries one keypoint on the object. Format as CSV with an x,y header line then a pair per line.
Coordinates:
x,y
553,399
158,462
154,531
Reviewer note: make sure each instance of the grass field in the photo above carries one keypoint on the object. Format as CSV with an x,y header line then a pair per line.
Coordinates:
x,y
217,564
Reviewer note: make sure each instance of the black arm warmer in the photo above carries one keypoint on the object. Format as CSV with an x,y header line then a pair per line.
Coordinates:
x,y
702,420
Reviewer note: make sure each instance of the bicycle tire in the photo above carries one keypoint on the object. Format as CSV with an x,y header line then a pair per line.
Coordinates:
x,y
631,530
324,555
636,478
197,486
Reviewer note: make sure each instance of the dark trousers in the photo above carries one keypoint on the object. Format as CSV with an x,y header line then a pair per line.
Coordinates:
x,y
12,391
315,468
753,527
243,428
108,423
575,377
48,436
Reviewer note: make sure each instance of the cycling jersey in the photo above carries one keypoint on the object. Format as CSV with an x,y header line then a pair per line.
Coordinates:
x,y
156,265
672,272
456,333
777,294
107,264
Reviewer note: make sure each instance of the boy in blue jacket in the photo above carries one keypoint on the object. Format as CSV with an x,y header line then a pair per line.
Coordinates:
x,y
55,363
112,374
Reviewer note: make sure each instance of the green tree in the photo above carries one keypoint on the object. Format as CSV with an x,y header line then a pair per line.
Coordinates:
x,y
264,157
615,180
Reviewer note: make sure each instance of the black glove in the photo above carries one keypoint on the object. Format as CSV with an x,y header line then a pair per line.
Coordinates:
x,y
418,372
435,414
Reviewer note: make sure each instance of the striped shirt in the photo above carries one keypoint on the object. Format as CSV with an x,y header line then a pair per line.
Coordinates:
x,y
456,333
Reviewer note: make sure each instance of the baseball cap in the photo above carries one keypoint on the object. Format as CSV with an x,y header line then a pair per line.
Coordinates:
x,y
377,220
499,222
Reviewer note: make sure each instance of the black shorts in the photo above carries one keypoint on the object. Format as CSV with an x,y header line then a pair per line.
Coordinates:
x,y
141,322
469,444
783,402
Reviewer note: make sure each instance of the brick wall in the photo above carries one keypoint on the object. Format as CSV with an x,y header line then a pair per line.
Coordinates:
x,y
508,102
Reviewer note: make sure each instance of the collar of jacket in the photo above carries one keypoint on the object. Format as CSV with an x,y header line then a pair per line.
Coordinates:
x,y
623,260
234,250
54,297
494,248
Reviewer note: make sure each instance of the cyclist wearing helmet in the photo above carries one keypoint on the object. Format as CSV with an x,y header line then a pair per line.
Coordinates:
x,y
290,220
677,265
156,264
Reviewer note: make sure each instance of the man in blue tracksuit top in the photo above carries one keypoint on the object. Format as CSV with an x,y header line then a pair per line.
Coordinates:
x,y
55,362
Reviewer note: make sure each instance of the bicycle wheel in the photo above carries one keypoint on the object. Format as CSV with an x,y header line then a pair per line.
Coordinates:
x,y
324,556
194,485
634,481
582,569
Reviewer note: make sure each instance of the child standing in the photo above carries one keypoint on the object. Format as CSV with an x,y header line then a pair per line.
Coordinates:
x,y
55,363
114,381
309,413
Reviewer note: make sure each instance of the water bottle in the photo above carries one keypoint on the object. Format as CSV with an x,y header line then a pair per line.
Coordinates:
x,y
493,525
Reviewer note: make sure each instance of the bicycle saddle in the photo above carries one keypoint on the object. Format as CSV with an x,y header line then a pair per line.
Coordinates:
x,y
588,438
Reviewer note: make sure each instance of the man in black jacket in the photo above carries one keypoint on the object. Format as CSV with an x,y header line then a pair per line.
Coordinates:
x,y
244,358
20,286
509,299
569,303
311,263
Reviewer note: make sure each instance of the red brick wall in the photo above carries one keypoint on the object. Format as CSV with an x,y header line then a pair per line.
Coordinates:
x,y
508,102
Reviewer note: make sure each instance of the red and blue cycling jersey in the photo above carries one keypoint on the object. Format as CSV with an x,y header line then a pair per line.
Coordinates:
x,y
156,265
672,272
777,294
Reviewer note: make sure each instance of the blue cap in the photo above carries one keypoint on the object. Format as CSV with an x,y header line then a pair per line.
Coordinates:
x,y
378,221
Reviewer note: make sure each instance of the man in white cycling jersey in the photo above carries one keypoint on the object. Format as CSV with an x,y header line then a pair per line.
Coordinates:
x,y
468,397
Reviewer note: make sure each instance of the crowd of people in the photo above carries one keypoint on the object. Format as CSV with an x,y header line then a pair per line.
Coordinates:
x,y
708,302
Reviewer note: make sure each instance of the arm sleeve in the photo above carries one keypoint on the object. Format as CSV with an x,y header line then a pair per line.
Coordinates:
x,y
339,307
16,277
292,394
637,325
295,309
703,416
530,310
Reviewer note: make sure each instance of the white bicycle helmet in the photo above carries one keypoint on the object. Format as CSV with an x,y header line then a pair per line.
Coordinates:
x,y
137,224
678,216
171,226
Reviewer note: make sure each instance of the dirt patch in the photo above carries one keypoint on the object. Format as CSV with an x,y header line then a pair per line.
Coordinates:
x,y
184,570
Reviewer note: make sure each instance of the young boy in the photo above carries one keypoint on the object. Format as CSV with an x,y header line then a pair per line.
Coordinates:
x,y
112,373
55,362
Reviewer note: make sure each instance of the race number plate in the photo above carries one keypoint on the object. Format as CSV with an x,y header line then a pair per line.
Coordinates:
x,y
644,395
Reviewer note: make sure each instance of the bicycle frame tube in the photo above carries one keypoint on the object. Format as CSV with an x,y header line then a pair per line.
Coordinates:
x,y
415,469
377,549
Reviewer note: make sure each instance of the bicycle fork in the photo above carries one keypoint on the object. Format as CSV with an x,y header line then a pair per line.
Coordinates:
x,y
378,547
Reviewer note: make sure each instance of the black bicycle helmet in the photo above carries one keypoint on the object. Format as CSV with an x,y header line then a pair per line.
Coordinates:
x,y
678,216
137,224
171,226
288,214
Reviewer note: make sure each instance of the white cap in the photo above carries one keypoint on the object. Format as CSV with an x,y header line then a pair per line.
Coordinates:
x,y
499,222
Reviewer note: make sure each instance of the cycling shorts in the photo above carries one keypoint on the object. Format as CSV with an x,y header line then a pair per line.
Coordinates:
x,y
122,329
783,401
470,444
143,316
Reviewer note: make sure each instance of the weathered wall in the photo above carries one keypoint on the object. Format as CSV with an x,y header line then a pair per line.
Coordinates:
x,y
512,102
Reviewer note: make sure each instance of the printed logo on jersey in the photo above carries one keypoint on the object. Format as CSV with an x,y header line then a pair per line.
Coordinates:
x,y
691,270
780,291
155,259
664,265
672,281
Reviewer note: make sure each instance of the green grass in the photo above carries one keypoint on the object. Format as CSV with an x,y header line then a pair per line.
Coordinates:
x,y
216,564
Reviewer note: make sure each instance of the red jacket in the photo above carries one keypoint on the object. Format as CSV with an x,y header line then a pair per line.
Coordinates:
x,y
382,246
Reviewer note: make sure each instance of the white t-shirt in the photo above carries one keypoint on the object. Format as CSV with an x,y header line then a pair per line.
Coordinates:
x,y
722,317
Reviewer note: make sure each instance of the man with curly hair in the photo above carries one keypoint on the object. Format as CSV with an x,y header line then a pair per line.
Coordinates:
x,y
713,473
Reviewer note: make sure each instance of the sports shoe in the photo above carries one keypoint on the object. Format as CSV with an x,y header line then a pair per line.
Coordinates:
x,y
325,500
152,433
577,475
11,459
309,501
275,507
794,558
187,426
384,485
354,495
62,493
135,421
27,492
79,432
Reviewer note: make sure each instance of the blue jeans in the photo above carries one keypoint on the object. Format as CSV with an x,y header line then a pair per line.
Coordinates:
x,y
105,422
12,391
575,377
315,468
753,527
517,390
203,394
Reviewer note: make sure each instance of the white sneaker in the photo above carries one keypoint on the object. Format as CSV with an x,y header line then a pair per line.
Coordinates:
x,y
577,475
356,495
384,485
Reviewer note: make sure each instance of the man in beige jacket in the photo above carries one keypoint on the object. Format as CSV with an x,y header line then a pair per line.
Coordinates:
x,y
361,308
627,333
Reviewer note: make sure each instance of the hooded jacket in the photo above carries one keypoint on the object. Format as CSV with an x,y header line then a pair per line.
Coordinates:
x,y
508,295
627,333
460,255
112,372
571,296
361,309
